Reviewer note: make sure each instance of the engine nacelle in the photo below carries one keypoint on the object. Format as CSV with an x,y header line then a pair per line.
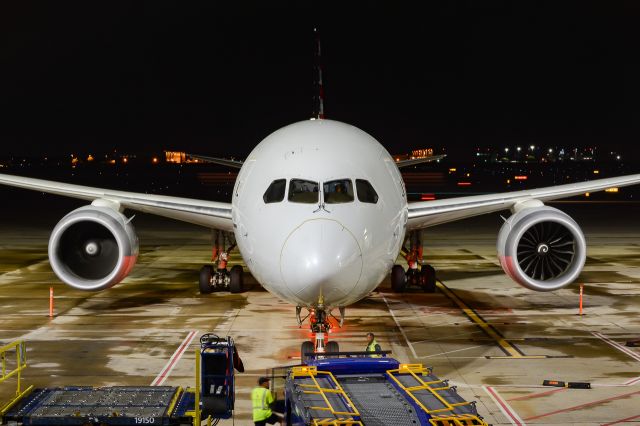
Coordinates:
x,y
93,248
541,248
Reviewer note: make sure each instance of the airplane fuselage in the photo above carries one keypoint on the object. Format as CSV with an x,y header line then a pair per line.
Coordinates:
x,y
301,237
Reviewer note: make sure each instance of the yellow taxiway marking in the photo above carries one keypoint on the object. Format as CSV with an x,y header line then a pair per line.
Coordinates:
x,y
509,350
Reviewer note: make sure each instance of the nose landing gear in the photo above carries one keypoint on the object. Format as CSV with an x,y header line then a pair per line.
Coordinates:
x,y
320,327
217,276
424,278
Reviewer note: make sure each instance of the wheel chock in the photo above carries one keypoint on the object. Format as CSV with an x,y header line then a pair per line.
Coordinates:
x,y
579,385
570,385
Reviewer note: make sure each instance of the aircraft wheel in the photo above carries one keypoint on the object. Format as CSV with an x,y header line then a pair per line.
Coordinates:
x,y
413,277
205,279
236,285
428,278
398,279
332,346
306,348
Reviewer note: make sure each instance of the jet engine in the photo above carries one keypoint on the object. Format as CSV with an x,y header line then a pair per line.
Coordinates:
x,y
541,248
93,248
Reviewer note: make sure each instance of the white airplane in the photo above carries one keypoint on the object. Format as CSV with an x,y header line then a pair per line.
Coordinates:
x,y
319,214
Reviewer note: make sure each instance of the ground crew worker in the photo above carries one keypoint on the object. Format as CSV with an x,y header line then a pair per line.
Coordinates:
x,y
372,345
261,400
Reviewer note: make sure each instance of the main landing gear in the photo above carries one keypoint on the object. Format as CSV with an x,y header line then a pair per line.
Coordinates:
x,y
424,278
217,276
320,326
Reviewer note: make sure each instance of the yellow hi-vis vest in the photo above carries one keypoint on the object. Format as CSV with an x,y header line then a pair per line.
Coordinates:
x,y
261,398
371,347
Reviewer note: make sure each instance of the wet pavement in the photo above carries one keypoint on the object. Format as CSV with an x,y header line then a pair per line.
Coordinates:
x,y
493,339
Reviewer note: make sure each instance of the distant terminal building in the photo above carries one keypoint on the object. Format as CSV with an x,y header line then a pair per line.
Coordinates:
x,y
175,157
179,157
422,153
416,153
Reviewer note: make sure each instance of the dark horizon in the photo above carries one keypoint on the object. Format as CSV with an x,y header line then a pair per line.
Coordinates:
x,y
202,78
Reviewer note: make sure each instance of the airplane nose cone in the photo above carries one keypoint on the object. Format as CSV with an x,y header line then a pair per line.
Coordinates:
x,y
321,257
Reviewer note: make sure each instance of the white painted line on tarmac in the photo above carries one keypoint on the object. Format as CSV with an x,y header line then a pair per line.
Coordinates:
x,y
624,350
406,339
168,368
450,352
617,345
447,337
504,406
632,381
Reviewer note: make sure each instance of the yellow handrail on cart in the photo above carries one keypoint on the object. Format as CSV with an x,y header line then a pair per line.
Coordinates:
x,y
316,389
457,420
441,416
196,413
337,422
9,370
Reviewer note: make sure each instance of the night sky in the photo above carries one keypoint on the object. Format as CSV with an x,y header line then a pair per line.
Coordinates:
x,y
134,76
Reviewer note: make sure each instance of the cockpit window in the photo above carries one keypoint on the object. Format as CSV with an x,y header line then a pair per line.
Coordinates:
x,y
366,193
275,191
338,191
303,191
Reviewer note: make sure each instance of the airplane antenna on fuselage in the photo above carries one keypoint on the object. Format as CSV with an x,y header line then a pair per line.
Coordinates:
x,y
318,97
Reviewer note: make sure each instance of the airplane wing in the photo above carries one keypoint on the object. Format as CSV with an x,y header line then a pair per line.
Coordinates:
x,y
414,161
222,161
429,213
200,212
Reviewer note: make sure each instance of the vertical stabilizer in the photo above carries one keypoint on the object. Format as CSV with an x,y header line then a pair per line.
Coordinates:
x,y
318,97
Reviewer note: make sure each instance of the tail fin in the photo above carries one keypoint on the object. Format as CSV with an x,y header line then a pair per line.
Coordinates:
x,y
318,98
